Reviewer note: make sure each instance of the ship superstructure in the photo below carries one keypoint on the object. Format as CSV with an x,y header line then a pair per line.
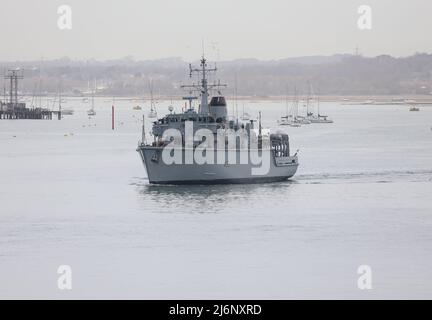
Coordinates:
x,y
206,147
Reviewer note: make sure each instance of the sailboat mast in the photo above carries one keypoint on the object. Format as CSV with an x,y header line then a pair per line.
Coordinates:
x,y
151,96
60,98
93,94
308,99
236,98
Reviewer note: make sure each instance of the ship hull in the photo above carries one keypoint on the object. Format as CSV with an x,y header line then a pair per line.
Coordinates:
x,y
280,169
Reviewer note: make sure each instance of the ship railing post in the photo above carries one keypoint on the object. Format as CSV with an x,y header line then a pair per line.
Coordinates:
x,y
143,137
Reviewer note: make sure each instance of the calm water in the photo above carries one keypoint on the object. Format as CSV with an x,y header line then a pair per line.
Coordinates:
x,y
73,192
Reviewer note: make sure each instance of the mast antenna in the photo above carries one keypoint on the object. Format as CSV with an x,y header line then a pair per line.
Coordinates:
x,y
203,87
236,97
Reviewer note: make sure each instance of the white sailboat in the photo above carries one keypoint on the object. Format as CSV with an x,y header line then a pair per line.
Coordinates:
x,y
152,114
63,111
291,118
318,118
245,116
302,120
286,120
91,112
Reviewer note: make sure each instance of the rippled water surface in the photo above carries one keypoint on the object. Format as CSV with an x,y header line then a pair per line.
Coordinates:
x,y
73,192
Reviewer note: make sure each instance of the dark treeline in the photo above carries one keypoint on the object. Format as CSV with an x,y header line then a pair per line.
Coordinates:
x,y
332,75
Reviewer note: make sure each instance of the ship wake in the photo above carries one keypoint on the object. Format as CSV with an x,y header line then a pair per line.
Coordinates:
x,y
367,177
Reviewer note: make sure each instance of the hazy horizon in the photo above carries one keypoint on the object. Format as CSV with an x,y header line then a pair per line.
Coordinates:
x,y
198,56
149,30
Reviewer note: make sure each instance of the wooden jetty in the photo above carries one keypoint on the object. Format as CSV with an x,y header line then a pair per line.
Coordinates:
x,y
17,110
28,113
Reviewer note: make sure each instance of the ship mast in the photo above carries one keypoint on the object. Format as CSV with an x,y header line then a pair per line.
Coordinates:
x,y
203,87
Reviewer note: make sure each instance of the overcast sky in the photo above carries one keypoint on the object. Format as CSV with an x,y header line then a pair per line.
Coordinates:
x,y
264,29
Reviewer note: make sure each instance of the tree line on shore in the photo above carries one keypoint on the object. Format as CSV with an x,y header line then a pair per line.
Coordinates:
x,y
341,74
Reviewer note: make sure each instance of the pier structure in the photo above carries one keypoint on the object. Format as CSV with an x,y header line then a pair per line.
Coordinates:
x,y
13,109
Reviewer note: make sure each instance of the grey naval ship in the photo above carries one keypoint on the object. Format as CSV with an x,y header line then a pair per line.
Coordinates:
x,y
224,161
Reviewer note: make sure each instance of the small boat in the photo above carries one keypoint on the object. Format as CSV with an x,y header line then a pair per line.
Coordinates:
x,y
414,108
137,108
320,119
285,121
302,120
290,121
152,114
245,116
67,112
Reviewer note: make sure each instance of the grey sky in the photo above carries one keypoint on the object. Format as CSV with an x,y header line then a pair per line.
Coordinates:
x,y
270,29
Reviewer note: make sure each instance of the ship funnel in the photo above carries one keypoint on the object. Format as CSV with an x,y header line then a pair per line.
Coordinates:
x,y
218,108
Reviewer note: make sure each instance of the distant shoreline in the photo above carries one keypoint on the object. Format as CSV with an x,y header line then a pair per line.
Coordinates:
x,y
424,100
365,100
397,99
